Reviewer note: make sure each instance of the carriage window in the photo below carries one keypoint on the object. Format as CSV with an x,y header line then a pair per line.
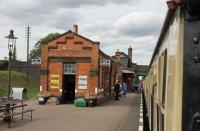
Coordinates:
x,y
164,78
69,69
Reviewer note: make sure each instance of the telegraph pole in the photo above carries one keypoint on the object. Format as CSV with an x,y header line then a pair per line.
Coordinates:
x,y
28,33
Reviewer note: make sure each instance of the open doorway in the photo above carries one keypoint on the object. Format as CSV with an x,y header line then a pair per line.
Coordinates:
x,y
68,88
69,82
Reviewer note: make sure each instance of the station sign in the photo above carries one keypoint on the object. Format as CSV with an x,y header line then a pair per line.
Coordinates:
x,y
82,82
104,62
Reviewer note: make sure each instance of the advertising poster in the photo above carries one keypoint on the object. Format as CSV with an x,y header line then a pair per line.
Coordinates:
x,y
55,81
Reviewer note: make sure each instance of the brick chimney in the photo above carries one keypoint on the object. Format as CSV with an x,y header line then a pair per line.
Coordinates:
x,y
75,29
117,55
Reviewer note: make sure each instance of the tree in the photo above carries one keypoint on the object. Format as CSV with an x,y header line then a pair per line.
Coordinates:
x,y
36,51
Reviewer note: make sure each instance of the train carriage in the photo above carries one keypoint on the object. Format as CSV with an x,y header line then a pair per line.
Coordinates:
x,y
172,86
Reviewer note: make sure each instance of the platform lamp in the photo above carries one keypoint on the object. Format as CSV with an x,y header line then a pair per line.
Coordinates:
x,y
11,44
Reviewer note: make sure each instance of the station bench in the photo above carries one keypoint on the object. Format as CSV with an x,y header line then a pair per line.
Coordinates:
x,y
7,117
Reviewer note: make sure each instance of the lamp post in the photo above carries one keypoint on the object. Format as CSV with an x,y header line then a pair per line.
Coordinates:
x,y
11,43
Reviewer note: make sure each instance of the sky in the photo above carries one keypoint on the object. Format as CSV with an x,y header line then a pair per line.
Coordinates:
x,y
116,24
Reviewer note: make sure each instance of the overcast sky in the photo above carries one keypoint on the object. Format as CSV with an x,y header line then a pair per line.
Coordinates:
x,y
116,24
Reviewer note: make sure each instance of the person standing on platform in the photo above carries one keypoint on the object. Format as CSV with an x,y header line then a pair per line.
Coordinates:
x,y
124,88
117,89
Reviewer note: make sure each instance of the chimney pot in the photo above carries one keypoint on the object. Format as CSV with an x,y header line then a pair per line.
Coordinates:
x,y
75,29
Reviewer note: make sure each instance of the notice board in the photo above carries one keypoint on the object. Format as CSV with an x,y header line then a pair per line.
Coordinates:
x,y
82,82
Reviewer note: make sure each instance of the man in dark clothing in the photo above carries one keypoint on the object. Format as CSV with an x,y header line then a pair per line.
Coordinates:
x,y
116,89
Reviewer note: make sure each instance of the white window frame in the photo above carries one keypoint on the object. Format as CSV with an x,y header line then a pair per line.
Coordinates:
x,y
68,68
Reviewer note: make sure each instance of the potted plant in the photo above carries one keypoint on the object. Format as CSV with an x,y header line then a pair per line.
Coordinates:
x,y
43,97
91,101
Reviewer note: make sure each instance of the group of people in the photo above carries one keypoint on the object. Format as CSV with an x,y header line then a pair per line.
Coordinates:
x,y
120,89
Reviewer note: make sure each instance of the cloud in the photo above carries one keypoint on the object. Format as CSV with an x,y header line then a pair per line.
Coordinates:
x,y
98,26
64,19
139,23
27,7
35,14
38,11
117,24
79,3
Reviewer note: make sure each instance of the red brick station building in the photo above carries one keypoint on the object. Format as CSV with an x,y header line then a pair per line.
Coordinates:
x,y
73,66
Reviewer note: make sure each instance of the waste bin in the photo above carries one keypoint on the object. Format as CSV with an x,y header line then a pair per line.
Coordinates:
x,y
19,93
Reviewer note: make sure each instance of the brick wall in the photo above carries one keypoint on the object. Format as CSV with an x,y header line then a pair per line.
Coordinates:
x,y
44,68
55,68
70,48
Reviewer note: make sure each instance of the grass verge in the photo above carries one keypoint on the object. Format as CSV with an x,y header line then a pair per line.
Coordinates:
x,y
18,80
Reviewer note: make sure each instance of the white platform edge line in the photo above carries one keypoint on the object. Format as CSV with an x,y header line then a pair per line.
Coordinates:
x,y
140,128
